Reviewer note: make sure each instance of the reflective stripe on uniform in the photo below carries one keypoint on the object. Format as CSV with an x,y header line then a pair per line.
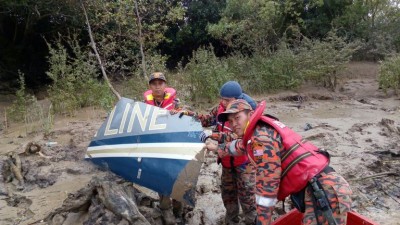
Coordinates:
x,y
264,201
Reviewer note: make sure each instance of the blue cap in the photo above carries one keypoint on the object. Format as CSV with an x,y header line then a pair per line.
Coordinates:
x,y
231,89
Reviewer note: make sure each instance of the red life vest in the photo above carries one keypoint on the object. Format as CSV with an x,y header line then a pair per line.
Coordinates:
x,y
227,161
300,159
168,102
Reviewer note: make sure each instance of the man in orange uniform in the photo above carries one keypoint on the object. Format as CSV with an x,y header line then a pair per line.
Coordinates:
x,y
163,96
286,165
238,175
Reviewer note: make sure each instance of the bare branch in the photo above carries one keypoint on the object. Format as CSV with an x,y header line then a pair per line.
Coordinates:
x,y
93,45
139,23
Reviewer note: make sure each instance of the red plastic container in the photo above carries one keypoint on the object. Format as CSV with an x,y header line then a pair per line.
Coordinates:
x,y
294,218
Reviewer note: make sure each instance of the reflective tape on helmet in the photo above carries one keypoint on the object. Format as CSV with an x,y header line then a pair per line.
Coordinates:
x,y
266,202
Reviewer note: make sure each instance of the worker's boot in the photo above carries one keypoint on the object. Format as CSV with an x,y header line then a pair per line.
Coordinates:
x,y
232,221
169,217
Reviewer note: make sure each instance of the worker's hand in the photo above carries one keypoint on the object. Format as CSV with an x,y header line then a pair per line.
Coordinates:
x,y
173,111
211,145
186,113
205,135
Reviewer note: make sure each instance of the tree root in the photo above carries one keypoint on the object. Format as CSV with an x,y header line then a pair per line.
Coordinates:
x,y
118,199
34,148
14,162
3,188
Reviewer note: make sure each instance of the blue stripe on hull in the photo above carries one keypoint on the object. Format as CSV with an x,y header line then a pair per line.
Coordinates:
x,y
150,138
128,167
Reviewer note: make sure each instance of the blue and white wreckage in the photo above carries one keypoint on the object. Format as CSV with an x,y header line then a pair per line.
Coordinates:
x,y
150,147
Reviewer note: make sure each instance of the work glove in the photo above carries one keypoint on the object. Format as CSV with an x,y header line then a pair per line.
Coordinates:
x,y
205,135
186,113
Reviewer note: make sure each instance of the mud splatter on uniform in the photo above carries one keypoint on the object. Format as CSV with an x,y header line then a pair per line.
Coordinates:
x,y
266,145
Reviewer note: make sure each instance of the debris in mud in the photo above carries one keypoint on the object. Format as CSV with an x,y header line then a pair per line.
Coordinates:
x,y
3,177
32,148
359,127
366,101
379,181
15,166
389,127
107,202
307,127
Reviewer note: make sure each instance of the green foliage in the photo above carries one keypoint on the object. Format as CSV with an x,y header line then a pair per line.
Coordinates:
x,y
389,74
22,24
74,77
134,88
322,60
205,73
116,31
264,72
285,68
376,23
185,36
18,110
246,25
28,110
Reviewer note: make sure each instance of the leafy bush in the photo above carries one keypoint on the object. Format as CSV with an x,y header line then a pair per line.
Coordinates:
x,y
134,87
277,70
27,109
18,110
389,74
322,60
74,76
206,74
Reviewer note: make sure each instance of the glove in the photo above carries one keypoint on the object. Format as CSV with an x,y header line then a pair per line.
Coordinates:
x,y
186,113
205,135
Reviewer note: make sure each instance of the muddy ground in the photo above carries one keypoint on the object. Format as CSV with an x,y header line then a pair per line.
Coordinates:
x,y
358,124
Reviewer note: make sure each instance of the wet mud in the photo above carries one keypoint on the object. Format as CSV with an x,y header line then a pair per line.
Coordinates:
x,y
358,124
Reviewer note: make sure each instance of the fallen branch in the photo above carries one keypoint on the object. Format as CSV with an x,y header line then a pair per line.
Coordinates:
x,y
118,199
14,163
383,189
375,175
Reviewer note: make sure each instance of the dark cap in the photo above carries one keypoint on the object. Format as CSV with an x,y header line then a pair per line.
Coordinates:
x,y
235,106
231,89
157,75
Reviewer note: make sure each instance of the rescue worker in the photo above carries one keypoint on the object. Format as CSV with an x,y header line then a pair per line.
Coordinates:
x,y
238,175
159,94
286,165
163,96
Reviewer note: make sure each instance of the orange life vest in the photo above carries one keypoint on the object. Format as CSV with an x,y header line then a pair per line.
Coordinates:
x,y
227,161
168,102
300,159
